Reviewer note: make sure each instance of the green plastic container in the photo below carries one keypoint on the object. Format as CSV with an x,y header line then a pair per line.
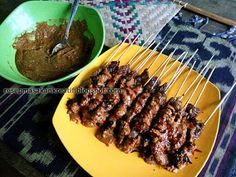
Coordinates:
x,y
25,17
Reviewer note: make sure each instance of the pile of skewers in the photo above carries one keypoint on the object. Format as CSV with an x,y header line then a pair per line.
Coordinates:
x,y
139,117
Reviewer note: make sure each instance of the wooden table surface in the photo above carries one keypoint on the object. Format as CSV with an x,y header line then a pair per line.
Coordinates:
x,y
11,164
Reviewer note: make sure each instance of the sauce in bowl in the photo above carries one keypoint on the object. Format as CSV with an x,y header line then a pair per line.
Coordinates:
x,y
33,49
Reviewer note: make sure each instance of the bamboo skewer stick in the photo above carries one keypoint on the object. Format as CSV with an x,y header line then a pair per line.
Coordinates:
x,y
221,102
206,13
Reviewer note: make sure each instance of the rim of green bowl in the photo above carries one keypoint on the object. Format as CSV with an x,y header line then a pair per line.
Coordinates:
x,y
69,76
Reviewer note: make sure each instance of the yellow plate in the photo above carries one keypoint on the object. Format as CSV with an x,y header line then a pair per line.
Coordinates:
x,y
99,160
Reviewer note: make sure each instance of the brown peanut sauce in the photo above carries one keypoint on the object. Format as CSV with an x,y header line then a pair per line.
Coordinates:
x,y
33,51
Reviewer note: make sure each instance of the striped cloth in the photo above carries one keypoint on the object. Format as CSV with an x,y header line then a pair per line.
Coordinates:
x,y
25,120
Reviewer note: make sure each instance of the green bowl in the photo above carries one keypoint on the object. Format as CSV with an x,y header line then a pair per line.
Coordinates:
x,y
25,17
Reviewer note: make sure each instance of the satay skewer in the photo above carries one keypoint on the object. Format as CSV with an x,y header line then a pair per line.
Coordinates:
x,y
200,73
149,46
180,70
172,119
193,131
142,124
221,102
117,49
117,114
127,147
159,67
140,48
196,87
101,112
149,88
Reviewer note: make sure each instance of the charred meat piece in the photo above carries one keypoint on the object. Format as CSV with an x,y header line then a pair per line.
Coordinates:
x,y
192,111
73,110
194,125
100,114
106,132
98,78
162,133
127,80
101,82
180,158
128,97
123,126
142,122
142,78
97,98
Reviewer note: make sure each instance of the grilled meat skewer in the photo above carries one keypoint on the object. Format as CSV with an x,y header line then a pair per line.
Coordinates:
x,y
179,158
98,97
128,94
141,122
173,134
164,134
99,77
123,126
99,80
100,114
106,133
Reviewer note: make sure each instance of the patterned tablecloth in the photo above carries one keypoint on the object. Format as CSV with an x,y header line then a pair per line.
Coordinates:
x,y
25,120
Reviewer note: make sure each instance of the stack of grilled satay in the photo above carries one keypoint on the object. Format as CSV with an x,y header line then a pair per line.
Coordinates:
x,y
138,116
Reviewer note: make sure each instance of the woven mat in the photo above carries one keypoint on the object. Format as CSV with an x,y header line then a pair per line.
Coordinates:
x,y
138,17
25,120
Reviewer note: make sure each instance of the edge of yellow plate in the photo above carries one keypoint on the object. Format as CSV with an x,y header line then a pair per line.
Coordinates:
x,y
91,67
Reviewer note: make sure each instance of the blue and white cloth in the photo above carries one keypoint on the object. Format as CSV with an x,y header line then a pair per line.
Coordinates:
x,y
25,120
